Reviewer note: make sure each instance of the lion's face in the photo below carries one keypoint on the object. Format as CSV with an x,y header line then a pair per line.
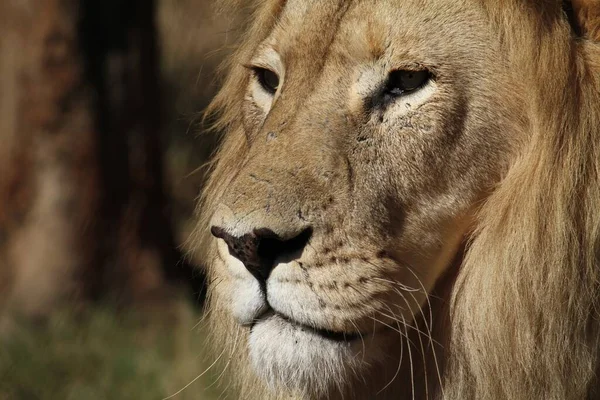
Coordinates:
x,y
372,130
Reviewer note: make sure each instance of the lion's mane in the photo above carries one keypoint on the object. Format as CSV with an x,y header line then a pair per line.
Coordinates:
x,y
525,306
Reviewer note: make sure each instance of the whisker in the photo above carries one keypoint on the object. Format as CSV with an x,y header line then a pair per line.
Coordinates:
x,y
419,335
214,283
224,394
412,367
196,378
398,284
414,328
391,327
399,361
429,328
435,359
235,343
364,350
411,270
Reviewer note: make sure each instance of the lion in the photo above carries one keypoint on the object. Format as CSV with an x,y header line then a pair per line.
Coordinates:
x,y
406,201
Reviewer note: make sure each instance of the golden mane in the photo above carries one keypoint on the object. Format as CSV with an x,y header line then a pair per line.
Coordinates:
x,y
524,317
525,306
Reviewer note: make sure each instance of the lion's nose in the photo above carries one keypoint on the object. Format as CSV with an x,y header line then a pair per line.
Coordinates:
x,y
260,250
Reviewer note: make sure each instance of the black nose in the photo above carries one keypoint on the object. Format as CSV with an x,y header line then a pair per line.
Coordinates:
x,y
259,250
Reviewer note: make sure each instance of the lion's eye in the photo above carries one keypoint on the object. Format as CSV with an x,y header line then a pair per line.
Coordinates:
x,y
403,81
268,79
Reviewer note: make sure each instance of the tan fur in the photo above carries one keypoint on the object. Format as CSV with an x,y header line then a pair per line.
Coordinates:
x,y
588,15
502,155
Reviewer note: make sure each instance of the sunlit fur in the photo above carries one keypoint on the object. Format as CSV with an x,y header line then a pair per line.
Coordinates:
x,y
516,314
525,306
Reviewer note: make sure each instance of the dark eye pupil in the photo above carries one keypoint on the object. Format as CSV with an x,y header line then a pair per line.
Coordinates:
x,y
404,81
268,80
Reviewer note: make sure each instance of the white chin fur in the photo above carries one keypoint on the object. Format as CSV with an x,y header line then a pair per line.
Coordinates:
x,y
291,357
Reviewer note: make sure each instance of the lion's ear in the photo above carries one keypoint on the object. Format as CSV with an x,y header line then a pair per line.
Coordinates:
x,y
585,17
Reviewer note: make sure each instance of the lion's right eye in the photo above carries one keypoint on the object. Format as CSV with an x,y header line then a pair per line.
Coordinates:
x,y
268,79
402,82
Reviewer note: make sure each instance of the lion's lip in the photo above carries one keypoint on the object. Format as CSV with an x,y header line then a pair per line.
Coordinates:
x,y
324,333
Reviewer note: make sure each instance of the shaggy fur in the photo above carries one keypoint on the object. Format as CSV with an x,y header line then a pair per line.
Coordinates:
x,y
525,307
512,312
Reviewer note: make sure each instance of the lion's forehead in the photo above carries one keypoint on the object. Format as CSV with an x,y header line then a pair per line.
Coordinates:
x,y
367,29
296,22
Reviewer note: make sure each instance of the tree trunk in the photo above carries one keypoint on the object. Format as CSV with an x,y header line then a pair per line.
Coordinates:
x,y
82,208
48,170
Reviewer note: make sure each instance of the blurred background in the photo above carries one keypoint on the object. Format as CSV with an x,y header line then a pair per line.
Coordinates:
x,y
101,155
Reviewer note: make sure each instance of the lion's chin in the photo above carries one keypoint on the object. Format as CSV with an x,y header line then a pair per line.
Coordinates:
x,y
292,357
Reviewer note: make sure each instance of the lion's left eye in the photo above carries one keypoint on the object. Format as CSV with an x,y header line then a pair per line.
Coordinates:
x,y
404,81
268,79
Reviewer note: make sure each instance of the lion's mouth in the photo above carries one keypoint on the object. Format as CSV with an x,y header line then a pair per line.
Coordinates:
x,y
324,333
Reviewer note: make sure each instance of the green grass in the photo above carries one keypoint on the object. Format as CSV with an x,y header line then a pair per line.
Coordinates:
x,y
101,354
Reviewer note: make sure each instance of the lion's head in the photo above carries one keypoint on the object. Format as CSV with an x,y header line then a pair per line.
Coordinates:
x,y
383,158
